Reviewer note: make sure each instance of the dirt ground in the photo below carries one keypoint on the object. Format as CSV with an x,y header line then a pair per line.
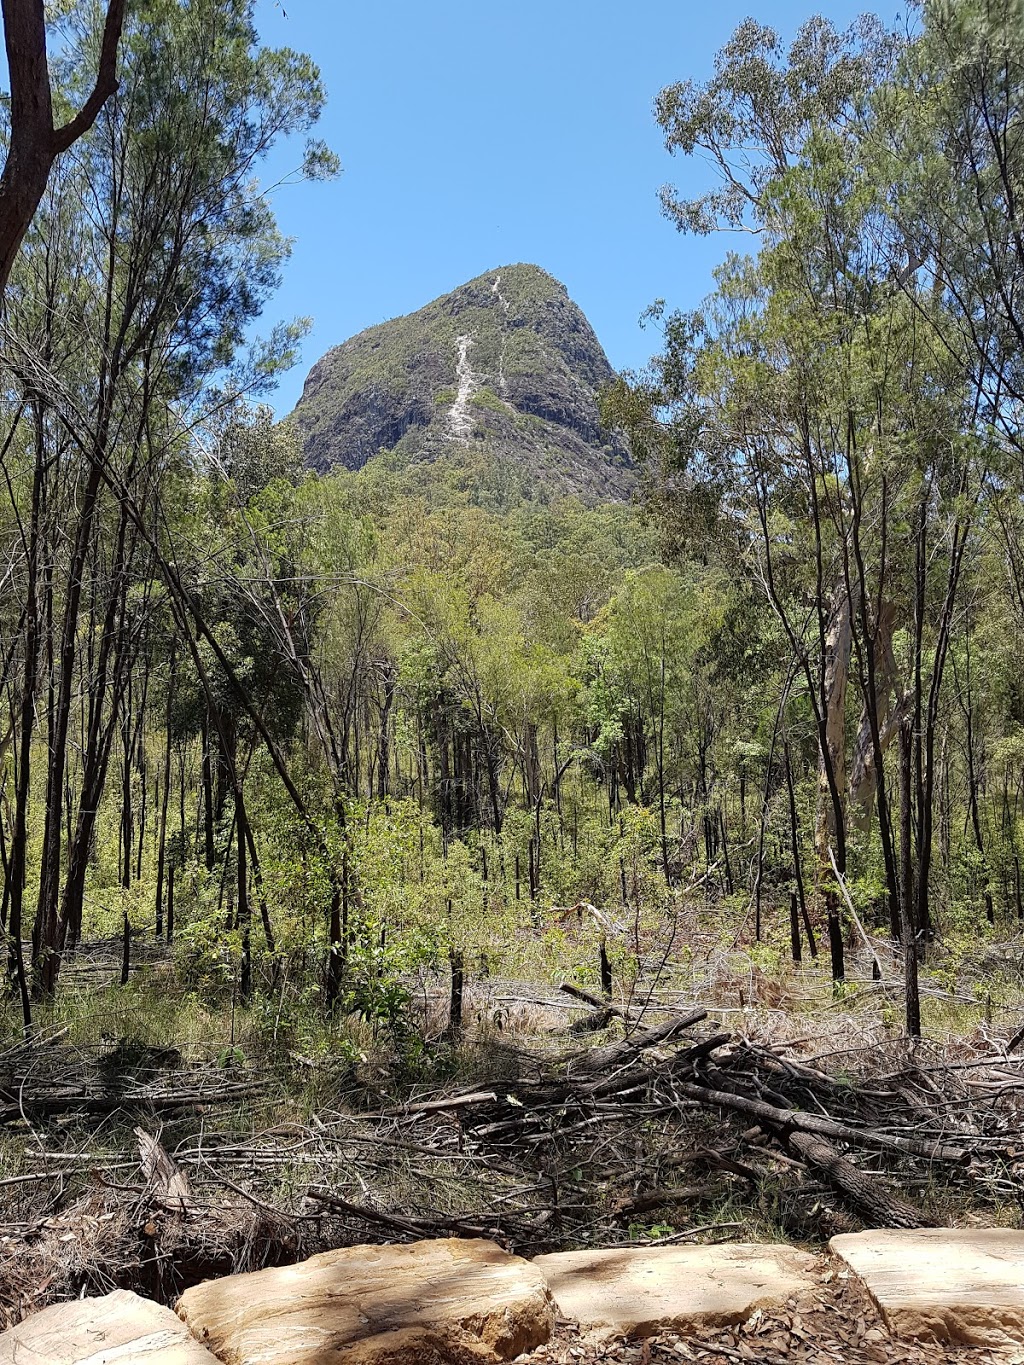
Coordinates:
x,y
835,1324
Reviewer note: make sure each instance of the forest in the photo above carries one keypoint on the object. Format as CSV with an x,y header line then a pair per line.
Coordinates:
x,y
318,785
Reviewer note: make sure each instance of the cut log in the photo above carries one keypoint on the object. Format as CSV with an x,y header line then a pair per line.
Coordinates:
x,y
161,1173
867,1192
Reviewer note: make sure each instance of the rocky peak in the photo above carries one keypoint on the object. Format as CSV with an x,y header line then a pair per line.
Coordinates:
x,y
505,365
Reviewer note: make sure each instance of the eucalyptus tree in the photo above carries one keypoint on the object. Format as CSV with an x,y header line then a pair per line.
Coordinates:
x,y
34,141
814,389
172,257
950,139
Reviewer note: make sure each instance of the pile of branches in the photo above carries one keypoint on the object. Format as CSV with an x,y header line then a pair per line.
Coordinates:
x,y
683,1116
669,1132
866,1139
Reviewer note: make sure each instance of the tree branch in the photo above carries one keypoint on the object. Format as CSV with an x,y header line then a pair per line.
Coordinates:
x,y
106,81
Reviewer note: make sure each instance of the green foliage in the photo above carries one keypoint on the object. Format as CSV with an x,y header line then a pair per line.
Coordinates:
x,y
474,708
487,398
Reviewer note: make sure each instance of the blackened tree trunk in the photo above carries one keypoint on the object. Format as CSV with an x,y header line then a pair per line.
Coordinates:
x,y
244,905
907,901
19,835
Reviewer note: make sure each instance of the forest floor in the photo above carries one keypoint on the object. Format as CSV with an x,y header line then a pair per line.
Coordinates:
x,y
148,1141
835,1325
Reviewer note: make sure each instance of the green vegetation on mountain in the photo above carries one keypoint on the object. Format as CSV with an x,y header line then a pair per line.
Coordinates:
x,y
529,368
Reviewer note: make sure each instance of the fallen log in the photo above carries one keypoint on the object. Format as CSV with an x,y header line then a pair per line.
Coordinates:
x,y
595,1002
641,1075
795,1120
607,1058
648,1200
871,1195
26,1105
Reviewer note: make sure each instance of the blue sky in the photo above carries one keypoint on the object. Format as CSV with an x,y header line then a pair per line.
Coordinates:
x,y
474,135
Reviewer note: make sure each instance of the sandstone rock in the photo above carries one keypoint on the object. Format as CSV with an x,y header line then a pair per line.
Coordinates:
x,y
640,1291
430,1303
118,1329
943,1284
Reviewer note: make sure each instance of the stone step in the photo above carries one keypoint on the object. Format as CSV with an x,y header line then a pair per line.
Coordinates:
x,y
960,1285
118,1329
638,1292
422,1304
448,1301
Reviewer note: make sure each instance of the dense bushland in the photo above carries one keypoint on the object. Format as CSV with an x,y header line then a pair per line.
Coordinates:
x,y
322,733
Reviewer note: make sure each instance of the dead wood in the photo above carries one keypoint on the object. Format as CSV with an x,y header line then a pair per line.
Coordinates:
x,y
544,1153
867,1192
614,1054
649,1200
449,1102
410,1224
161,1172
786,1120
595,1002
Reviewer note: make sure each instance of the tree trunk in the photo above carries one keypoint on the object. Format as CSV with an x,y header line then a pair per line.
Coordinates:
x,y
165,795
33,142
832,786
244,905
907,903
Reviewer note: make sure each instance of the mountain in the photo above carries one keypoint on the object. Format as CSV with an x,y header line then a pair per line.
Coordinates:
x,y
503,371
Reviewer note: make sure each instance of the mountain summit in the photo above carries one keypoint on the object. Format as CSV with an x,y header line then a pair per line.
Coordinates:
x,y
505,368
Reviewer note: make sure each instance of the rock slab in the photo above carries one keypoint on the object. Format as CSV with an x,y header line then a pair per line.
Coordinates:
x,y
962,1285
640,1291
118,1329
446,1302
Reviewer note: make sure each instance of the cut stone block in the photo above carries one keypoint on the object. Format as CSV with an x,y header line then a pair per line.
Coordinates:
x,y
640,1291
118,1329
446,1302
963,1285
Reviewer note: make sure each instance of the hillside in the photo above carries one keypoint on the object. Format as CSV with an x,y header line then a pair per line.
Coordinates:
x,y
503,370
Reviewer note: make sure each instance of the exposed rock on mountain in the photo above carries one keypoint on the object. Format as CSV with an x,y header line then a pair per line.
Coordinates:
x,y
503,369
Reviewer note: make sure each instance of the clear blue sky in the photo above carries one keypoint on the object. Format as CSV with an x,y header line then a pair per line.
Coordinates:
x,y
475,134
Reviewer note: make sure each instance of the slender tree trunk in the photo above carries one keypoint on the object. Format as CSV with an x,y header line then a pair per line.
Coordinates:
x,y
907,925
165,795
19,834
45,932
456,962
384,737
837,662
208,822
244,905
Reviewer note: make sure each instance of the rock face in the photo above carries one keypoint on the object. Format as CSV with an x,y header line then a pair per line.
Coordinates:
x,y
638,1292
942,1284
504,369
119,1329
424,1304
